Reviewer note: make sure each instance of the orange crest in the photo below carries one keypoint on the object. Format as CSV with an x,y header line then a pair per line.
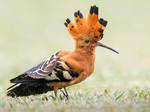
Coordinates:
x,y
91,28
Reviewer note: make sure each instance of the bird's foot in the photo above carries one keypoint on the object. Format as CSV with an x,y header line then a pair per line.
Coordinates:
x,y
65,93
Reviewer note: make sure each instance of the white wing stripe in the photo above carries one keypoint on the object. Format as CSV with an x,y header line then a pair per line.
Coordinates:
x,y
52,76
67,75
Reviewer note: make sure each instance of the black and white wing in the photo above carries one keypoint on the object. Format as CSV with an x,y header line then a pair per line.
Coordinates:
x,y
51,70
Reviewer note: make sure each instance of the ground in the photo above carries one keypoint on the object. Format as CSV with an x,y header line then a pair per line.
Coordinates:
x,y
83,100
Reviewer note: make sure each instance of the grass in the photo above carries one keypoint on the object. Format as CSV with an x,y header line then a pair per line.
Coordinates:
x,y
30,31
105,100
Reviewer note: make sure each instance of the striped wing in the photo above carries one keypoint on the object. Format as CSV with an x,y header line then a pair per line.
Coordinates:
x,y
51,70
44,69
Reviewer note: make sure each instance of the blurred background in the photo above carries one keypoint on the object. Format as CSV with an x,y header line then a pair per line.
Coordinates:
x,y
33,30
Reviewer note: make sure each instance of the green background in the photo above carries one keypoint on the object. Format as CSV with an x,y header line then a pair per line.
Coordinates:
x,y
33,30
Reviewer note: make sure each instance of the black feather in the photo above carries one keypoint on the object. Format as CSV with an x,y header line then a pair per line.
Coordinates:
x,y
27,90
91,10
95,9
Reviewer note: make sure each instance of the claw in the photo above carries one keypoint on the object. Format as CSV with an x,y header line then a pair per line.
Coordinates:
x,y
65,93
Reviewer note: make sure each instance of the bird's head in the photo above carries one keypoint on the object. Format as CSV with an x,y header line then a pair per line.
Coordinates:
x,y
87,32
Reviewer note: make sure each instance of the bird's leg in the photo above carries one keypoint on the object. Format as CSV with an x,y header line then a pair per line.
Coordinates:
x,y
65,93
55,92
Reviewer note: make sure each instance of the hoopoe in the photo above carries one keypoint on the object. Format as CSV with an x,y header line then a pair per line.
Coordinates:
x,y
65,68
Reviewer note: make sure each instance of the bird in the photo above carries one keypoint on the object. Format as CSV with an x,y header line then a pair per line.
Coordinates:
x,y
65,68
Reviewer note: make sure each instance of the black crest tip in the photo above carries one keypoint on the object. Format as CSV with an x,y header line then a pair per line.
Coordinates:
x,y
80,15
101,20
105,23
76,14
65,24
95,9
91,10
68,20
101,35
100,30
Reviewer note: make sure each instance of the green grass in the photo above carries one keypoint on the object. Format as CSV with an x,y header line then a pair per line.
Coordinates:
x,y
30,31
104,100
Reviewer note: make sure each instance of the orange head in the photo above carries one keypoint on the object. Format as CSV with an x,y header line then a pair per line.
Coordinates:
x,y
87,32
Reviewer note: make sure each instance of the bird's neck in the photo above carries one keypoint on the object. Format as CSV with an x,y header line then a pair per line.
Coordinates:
x,y
87,54
84,50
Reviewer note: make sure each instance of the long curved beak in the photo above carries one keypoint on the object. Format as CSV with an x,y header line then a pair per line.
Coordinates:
x,y
107,47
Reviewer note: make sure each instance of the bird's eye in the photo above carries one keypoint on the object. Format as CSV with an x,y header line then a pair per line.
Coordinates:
x,y
86,41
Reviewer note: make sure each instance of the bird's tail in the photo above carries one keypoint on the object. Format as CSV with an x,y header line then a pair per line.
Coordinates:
x,y
26,90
